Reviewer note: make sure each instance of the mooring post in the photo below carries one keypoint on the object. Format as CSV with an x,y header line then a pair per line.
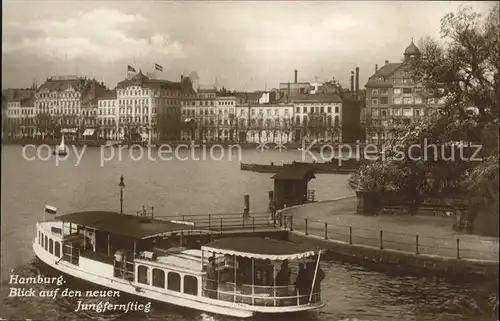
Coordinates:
x,y
221,224
291,222
458,248
416,244
152,212
326,231
350,235
209,220
381,240
246,208
306,226
253,223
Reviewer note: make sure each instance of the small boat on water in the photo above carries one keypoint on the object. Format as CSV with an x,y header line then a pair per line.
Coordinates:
x,y
61,149
149,258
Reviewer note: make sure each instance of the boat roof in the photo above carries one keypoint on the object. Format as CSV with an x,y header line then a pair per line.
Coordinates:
x,y
137,227
259,248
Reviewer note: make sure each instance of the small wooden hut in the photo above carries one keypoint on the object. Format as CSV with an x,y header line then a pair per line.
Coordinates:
x,y
290,186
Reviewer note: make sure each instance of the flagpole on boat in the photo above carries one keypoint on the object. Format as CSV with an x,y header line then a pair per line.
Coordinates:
x,y
314,278
44,205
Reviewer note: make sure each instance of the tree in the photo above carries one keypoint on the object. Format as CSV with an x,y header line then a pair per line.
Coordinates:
x,y
465,72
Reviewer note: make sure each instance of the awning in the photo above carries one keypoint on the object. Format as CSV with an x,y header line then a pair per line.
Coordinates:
x,y
137,227
259,248
69,130
89,132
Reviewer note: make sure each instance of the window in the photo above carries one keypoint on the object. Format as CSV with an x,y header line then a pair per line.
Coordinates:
x,y
297,110
142,274
336,121
397,91
190,285
322,110
329,109
46,244
337,110
304,110
407,100
297,120
174,281
375,92
51,246
384,112
375,101
417,112
304,121
397,101
329,120
407,91
41,240
384,100
384,91
158,278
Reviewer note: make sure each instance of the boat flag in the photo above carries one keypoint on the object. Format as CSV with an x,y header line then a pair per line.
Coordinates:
x,y
50,210
130,68
158,67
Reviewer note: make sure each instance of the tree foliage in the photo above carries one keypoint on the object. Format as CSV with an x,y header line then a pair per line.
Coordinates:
x,y
464,70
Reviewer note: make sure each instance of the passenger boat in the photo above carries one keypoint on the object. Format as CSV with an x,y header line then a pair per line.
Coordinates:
x,y
152,258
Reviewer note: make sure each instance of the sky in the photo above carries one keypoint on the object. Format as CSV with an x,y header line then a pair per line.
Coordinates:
x,y
242,45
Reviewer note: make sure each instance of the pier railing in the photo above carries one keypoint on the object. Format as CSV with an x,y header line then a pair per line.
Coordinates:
x,y
226,221
464,247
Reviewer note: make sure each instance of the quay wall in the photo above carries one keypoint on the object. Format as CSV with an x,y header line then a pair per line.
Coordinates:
x,y
397,260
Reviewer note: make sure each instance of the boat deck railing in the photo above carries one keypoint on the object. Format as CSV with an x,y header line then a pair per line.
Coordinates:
x,y
280,296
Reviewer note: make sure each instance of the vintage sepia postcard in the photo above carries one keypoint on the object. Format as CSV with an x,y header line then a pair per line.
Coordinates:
x,y
260,160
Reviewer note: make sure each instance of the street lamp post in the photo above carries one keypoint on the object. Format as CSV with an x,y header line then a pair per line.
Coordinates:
x,y
122,186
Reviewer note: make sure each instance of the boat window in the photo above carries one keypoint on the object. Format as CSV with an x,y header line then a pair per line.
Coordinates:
x,y
158,278
190,285
46,243
51,246
40,238
174,281
57,249
142,274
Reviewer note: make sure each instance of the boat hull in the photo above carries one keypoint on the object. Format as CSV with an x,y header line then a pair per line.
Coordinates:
x,y
85,273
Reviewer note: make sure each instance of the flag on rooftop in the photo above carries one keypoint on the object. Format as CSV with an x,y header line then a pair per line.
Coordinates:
x,y
158,67
50,210
130,68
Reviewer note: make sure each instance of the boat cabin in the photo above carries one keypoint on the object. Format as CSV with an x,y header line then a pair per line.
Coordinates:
x,y
262,272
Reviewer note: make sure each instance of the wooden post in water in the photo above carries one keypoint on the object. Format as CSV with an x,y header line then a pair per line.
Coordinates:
x,y
416,244
381,240
246,208
326,231
458,248
306,226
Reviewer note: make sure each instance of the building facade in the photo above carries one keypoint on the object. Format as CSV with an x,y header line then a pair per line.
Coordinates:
x,y
67,105
317,117
393,98
107,115
151,107
264,123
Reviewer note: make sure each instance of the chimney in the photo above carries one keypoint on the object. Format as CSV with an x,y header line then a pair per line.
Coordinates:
x,y
352,81
376,67
386,62
357,79
296,71
288,94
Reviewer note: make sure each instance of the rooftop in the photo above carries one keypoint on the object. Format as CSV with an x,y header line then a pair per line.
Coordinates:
x,y
332,97
137,227
295,172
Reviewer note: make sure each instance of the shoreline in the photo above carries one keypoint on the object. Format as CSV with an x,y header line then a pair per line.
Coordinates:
x,y
246,145
370,255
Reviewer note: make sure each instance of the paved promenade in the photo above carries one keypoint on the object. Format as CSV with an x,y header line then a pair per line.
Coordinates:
x,y
434,235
